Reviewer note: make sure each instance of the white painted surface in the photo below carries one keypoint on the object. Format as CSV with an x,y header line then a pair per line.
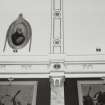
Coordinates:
x,y
37,12
84,26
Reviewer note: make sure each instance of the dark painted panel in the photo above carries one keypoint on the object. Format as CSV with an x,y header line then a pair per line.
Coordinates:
x,y
71,90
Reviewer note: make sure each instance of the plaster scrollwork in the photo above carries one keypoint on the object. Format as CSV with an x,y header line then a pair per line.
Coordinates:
x,y
87,66
26,67
57,73
2,67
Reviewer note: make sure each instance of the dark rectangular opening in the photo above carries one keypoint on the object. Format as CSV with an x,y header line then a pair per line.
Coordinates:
x,y
71,90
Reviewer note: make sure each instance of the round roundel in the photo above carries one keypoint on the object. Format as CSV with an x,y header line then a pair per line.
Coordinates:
x,y
19,33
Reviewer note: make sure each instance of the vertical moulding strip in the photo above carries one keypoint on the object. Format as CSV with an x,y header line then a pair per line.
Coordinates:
x,y
57,4
57,28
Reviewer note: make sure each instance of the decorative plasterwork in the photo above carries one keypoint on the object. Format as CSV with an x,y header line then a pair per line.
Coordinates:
x,y
57,89
57,81
47,66
57,64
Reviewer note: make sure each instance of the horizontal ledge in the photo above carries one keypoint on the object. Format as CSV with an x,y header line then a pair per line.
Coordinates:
x,y
84,62
23,63
48,62
47,75
45,60
24,75
85,75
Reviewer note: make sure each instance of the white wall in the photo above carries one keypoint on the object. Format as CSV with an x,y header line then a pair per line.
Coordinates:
x,y
84,26
37,12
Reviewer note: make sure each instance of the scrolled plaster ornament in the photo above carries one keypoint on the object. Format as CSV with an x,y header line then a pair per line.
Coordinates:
x,y
19,34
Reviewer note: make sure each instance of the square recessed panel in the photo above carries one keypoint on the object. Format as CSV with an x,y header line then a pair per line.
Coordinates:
x,y
84,22
37,13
